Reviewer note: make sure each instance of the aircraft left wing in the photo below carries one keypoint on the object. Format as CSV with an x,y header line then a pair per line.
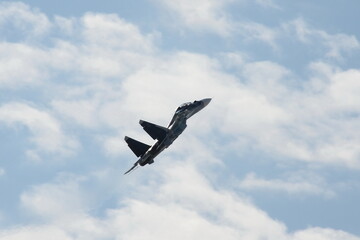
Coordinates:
x,y
137,147
155,131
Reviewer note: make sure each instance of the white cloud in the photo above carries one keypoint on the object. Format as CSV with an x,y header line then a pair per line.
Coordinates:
x,y
83,112
290,186
304,121
109,47
21,65
211,16
110,31
66,25
252,30
40,232
106,47
56,201
323,234
202,210
203,15
47,135
302,30
150,216
333,46
115,146
2,172
182,195
65,205
337,44
24,19
344,89
267,78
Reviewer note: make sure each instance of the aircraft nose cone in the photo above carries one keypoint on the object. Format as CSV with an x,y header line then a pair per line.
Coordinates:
x,y
206,101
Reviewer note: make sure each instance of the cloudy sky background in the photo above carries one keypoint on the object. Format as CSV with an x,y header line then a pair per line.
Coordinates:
x,y
275,155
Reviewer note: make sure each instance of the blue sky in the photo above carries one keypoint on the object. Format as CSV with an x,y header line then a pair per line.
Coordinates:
x,y
275,155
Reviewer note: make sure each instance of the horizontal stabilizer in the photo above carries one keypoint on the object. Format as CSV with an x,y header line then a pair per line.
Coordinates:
x,y
155,131
137,147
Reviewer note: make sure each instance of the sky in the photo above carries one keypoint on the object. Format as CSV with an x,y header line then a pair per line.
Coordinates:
x,y
275,155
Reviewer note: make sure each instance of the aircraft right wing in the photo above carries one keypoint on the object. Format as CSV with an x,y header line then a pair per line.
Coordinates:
x,y
155,131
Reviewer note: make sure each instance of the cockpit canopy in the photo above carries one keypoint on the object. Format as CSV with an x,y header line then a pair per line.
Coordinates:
x,y
182,106
185,104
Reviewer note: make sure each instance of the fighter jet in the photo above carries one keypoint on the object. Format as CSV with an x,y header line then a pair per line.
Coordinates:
x,y
164,136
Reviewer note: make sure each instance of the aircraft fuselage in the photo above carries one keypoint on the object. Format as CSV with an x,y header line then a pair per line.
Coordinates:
x,y
164,136
175,130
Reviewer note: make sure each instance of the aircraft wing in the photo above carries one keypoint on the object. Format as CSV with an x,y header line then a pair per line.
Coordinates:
x,y
155,131
137,147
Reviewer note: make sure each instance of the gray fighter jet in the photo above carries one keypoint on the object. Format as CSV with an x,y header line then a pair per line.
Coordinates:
x,y
164,136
